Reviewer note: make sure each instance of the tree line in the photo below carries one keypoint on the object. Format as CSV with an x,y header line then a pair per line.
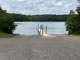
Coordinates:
x,y
20,17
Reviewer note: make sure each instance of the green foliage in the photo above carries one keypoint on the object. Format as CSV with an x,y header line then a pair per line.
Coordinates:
x,y
6,22
19,17
78,1
2,11
78,10
73,24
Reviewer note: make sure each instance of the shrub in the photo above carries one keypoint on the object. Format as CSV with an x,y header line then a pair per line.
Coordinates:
x,y
6,22
73,24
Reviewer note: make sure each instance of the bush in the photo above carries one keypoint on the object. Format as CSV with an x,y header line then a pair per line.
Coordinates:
x,y
6,22
73,24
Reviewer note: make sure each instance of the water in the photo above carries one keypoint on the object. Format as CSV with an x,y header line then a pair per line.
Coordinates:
x,y
30,28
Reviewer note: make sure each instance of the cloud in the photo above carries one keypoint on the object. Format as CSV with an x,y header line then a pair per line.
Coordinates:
x,y
18,0
39,6
59,4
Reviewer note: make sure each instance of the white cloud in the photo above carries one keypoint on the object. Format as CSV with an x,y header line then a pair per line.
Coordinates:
x,y
68,5
38,6
43,9
59,4
18,0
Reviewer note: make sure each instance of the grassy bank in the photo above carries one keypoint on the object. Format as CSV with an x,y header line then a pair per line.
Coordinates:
x,y
5,35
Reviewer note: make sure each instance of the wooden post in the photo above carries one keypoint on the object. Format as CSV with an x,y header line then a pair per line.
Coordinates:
x,y
41,29
46,29
38,26
38,29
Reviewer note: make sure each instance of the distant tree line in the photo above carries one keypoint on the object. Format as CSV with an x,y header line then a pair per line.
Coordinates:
x,y
20,17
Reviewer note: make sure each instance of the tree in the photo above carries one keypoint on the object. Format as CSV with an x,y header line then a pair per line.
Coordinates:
x,y
72,12
78,10
69,21
6,22
73,24
78,1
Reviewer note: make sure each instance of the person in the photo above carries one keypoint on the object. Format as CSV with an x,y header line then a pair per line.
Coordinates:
x,y
39,32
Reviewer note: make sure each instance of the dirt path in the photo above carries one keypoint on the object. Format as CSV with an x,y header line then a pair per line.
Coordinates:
x,y
61,47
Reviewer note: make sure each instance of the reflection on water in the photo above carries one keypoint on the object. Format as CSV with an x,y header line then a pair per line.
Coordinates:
x,y
30,28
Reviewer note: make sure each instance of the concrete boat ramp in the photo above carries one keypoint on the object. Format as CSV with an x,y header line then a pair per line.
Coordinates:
x,y
62,47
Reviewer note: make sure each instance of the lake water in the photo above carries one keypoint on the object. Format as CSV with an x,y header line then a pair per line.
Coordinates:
x,y
30,28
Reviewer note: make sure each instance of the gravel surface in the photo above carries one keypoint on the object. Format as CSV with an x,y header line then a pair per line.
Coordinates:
x,y
61,47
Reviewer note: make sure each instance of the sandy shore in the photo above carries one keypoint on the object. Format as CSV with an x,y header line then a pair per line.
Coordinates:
x,y
61,47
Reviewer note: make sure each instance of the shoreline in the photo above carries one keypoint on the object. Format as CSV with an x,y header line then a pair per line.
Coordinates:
x,y
49,34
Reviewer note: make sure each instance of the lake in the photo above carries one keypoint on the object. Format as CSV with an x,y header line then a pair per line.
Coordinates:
x,y
30,28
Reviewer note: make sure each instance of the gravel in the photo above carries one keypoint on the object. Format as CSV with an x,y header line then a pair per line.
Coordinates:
x,y
61,47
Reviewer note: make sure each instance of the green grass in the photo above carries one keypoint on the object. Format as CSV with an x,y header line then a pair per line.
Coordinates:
x,y
5,35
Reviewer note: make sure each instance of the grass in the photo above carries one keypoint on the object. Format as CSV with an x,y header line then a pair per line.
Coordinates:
x,y
5,35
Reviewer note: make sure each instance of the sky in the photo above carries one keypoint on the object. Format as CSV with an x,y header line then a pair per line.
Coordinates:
x,y
33,7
